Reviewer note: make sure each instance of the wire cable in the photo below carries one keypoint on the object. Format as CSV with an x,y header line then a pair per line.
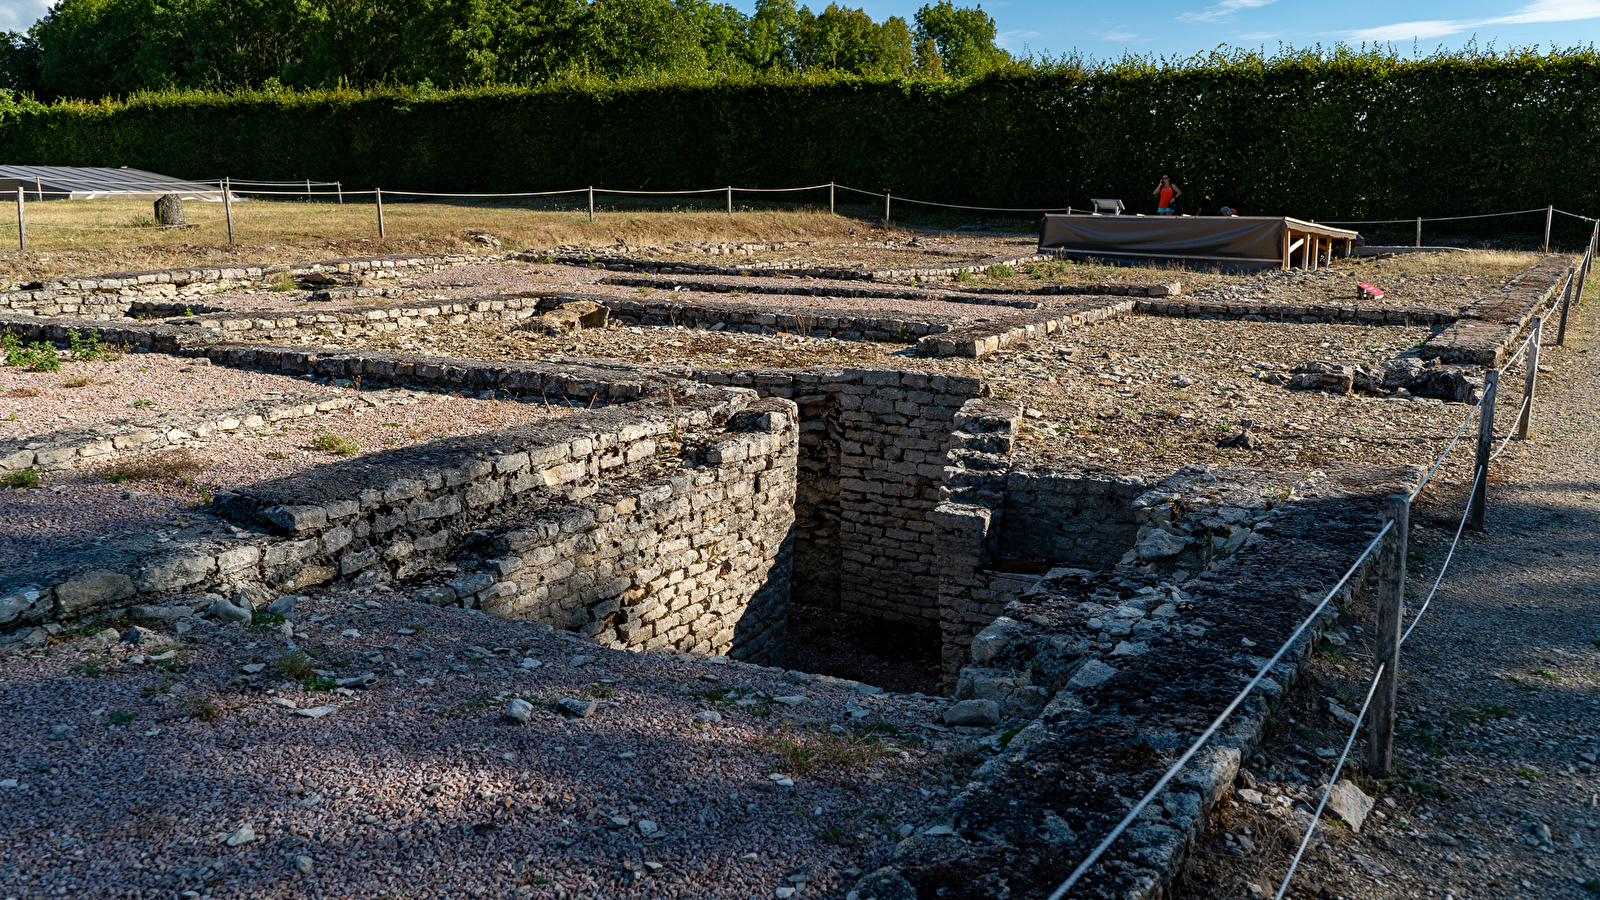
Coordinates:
x,y
1520,212
1317,816
1194,748
1443,567
1451,446
1512,433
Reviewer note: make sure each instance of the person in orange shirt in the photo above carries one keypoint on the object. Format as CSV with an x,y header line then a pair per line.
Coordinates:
x,y
1167,195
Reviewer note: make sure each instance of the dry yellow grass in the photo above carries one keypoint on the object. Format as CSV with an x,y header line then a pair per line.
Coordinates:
x,y
84,236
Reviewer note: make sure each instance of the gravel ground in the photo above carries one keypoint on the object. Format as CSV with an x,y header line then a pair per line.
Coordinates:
x,y
1496,792
74,505
1130,393
125,778
1414,280
132,386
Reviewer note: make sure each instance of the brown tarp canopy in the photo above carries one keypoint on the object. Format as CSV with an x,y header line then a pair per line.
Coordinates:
x,y
1252,240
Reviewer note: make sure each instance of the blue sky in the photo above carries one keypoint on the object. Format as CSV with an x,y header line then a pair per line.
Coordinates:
x,y
1104,29
1109,28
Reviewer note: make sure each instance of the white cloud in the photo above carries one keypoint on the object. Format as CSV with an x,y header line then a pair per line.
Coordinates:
x,y
1222,10
1538,11
1015,40
19,15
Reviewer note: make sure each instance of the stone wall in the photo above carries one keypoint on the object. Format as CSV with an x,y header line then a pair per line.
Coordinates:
x,y
1487,330
89,444
873,446
1098,723
982,339
694,557
381,515
110,296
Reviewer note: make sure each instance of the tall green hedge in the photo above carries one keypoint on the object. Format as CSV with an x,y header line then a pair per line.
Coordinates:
x,y
1325,135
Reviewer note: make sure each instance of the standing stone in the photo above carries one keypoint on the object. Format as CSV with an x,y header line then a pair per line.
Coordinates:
x,y
169,210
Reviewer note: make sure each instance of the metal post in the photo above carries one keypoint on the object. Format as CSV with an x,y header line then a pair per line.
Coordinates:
x,y
1419,231
1480,468
308,189
227,207
830,199
378,193
1530,380
339,186
1391,615
22,224
730,199
1549,211
886,209
591,203
1566,301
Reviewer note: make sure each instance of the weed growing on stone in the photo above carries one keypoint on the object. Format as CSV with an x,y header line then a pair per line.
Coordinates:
x,y
318,683
1528,772
86,347
142,404
35,357
122,717
265,621
205,709
333,443
22,478
179,466
1002,271
295,665
77,382
87,670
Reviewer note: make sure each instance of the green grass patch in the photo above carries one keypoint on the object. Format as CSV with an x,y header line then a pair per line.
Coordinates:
x,y
295,665
21,479
122,717
333,443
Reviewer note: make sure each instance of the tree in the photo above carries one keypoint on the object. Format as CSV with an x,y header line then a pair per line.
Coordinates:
x,y
847,40
963,37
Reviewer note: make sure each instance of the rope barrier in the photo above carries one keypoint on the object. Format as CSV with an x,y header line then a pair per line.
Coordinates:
x,y
1338,767
981,208
1511,434
1451,446
1194,748
1471,495
1413,219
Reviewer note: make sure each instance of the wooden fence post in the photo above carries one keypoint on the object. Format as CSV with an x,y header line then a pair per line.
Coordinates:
x,y
886,219
1530,381
1480,467
227,207
1549,211
1566,301
591,203
1419,231
308,190
1391,615
730,199
339,186
22,224
378,193
830,200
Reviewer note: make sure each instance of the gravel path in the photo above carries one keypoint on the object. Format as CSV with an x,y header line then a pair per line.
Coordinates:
x,y
123,773
1497,791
